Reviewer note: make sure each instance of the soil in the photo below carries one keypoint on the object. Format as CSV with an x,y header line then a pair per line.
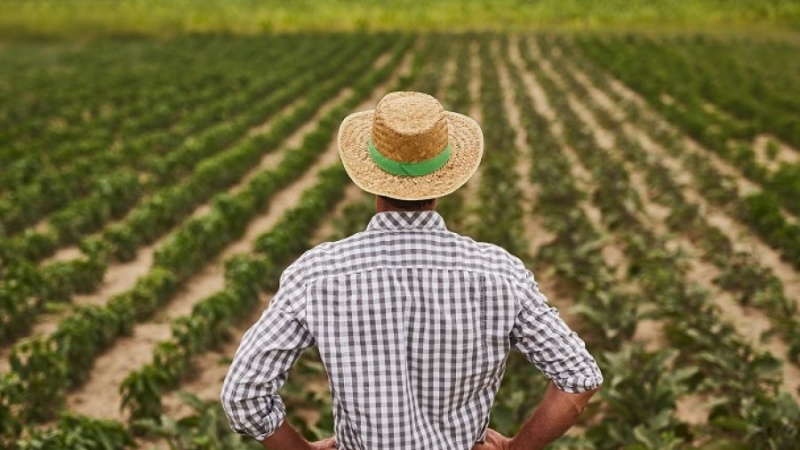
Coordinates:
x,y
119,278
470,190
785,154
206,381
535,233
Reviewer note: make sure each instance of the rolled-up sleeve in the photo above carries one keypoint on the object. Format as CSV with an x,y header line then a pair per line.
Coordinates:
x,y
265,355
546,340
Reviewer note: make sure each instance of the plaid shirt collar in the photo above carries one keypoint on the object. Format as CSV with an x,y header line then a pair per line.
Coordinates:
x,y
406,220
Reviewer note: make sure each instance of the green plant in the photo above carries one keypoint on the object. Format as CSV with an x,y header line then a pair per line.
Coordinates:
x,y
77,432
36,363
206,429
10,394
142,390
640,394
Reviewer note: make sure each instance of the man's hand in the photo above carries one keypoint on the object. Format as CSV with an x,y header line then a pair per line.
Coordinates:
x,y
286,437
325,444
494,441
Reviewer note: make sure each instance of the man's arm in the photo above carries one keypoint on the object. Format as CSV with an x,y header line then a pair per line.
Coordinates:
x,y
554,415
286,437
557,412
268,350
546,340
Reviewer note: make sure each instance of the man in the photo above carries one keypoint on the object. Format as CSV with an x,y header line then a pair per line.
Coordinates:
x,y
413,322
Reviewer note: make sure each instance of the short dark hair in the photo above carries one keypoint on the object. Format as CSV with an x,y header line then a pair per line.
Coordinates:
x,y
410,205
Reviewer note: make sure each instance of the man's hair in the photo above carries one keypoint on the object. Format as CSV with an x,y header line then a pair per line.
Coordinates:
x,y
410,205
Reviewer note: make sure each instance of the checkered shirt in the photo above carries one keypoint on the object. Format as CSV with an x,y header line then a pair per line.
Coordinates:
x,y
413,324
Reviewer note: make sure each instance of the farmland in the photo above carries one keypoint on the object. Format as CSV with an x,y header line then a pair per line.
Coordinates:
x,y
151,194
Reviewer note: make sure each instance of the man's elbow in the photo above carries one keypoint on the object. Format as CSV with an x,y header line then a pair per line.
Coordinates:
x,y
254,417
577,400
590,393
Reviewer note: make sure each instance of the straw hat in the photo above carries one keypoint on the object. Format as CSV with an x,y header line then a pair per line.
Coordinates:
x,y
410,148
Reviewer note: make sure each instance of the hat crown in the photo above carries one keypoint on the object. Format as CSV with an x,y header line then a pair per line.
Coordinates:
x,y
409,127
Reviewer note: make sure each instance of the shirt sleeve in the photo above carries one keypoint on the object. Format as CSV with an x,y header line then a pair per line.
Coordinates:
x,y
546,340
260,366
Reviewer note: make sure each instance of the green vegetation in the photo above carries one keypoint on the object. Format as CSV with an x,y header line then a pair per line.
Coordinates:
x,y
104,17
724,95
114,145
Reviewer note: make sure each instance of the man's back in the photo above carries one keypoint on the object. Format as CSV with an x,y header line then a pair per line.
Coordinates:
x,y
414,324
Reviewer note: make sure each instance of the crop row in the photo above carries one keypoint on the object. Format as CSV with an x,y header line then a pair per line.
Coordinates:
x,y
52,365
88,96
163,156
246,277
639,66
459,100
751,91
167,207
607,307
751,282
498,193
718,362
500,214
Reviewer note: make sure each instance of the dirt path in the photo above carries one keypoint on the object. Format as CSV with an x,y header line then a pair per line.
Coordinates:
x,y
470,190
765,144
535,232
748,323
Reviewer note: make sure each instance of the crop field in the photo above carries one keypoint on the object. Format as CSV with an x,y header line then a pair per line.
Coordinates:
x,y
153,190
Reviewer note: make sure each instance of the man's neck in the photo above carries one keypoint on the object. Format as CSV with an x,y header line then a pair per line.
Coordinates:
x,y
381,205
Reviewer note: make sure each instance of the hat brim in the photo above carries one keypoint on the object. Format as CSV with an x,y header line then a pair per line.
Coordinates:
x,y
466,146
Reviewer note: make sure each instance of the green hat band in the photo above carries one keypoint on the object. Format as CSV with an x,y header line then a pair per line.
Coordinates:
x,y
411,169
